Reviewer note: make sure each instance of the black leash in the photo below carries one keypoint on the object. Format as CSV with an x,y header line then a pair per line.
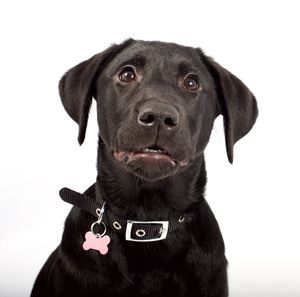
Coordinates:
x,y
84,201
140,231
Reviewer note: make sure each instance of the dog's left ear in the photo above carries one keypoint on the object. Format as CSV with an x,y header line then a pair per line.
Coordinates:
x,y
238,104
77,86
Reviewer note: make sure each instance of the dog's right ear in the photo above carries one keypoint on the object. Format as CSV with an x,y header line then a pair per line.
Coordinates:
x,y
77,86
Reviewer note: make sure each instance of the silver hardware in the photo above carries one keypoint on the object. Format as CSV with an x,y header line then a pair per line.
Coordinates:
x,y
97,234
117,225
181,219
163,230
99,213
140,233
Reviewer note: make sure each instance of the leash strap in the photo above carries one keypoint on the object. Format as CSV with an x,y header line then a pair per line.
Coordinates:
x,y
83,201
140,231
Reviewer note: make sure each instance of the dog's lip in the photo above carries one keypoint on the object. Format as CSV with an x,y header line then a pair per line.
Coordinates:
x,y
149,153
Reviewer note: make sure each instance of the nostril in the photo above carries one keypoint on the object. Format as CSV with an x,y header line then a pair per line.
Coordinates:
x,y
170,122
147,119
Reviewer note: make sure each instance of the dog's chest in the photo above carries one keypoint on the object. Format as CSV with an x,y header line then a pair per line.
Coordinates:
x,y
150,274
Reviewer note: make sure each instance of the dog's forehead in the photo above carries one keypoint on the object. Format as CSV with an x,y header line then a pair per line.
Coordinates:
x,y
158,54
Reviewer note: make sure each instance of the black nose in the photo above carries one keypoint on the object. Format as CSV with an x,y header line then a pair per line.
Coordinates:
x,y
151,114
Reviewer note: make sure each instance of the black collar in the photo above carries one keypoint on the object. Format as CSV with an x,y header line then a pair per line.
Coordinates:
x,y
140,231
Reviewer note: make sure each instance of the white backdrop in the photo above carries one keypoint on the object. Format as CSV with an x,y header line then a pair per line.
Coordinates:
x,y
256,200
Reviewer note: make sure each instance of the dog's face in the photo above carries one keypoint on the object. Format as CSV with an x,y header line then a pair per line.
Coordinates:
x,y
156,108
156,104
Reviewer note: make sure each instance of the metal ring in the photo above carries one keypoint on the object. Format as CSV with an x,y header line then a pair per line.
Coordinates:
x,y
117,225
98,211
97,234
181,219
140,233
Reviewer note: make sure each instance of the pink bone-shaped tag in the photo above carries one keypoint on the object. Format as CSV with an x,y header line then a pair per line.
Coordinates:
x,y
96,243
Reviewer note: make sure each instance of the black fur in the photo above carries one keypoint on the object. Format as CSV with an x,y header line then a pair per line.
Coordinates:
x,y
191,260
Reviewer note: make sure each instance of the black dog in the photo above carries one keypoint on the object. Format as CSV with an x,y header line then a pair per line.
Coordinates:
x,y
156,105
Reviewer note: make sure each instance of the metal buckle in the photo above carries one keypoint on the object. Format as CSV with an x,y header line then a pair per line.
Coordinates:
x,y
163,230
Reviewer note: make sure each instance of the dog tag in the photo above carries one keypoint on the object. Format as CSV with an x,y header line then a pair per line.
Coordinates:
x,y
95,242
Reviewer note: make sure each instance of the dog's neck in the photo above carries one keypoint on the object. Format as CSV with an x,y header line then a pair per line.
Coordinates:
x,y
137,198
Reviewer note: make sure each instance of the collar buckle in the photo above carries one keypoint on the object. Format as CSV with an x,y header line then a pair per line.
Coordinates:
x,y
163,231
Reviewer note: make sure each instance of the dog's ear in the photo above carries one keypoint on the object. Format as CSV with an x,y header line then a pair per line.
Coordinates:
x,y
77,86
238,104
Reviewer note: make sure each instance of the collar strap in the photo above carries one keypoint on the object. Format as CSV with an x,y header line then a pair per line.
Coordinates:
x,y
139,231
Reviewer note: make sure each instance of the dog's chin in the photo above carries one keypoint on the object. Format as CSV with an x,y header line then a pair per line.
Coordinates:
x,y
149,165
151,170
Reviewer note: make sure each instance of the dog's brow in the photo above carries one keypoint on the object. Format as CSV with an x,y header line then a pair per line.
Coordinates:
x,y
184,67
137,60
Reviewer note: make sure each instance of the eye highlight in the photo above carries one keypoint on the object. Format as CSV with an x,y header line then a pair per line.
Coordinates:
x,y
191,82
127,75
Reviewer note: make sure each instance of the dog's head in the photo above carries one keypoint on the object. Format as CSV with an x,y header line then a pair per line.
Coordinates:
x,y
156,104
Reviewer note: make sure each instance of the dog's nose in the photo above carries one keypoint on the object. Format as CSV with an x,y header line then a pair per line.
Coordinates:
x,y
167,115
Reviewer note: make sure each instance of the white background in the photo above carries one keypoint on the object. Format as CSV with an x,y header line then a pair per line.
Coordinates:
x,y
256,200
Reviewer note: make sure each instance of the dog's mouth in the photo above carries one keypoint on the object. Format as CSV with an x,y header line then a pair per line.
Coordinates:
x,y
152,154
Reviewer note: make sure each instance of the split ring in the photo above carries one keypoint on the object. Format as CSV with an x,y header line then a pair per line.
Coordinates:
x,y
97,234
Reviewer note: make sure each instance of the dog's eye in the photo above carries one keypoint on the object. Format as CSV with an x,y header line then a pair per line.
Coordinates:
x,y
191,82
127,75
